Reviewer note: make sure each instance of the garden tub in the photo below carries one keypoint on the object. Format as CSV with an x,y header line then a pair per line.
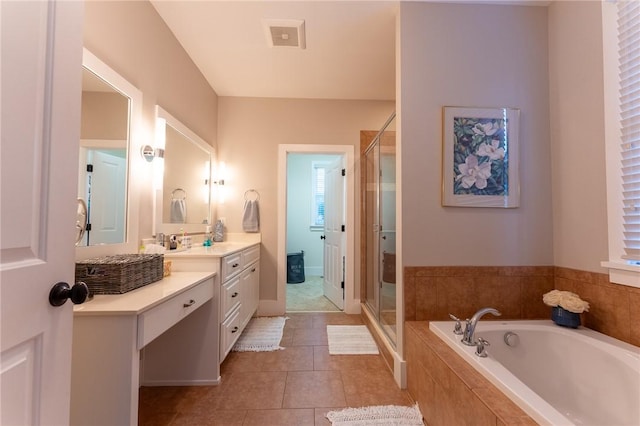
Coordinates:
x,y
557,375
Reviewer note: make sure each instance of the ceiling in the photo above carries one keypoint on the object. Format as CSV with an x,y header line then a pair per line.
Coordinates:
x,y
349,54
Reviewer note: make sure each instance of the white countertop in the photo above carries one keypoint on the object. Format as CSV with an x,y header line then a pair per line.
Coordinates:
x,y
143,298
216,250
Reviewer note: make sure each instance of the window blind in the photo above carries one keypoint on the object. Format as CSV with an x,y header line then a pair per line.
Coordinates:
x,y
629,72
317,210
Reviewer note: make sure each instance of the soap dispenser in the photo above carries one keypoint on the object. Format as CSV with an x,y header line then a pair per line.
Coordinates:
x,y
207,237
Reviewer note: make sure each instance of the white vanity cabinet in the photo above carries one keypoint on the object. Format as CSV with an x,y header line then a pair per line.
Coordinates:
x,y
238,273
240,286
110,331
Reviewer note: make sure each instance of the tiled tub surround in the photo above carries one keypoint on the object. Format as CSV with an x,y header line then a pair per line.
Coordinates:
x,y
432,292
557,375
448,390
614,309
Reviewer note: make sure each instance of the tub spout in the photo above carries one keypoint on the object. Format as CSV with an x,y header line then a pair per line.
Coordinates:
x,y
469,330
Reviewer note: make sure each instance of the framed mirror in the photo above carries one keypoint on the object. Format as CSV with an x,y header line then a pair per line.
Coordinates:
x,y
110,122
183,188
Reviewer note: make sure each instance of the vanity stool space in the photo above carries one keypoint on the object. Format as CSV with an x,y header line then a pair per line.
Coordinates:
x,y
237,268
111,331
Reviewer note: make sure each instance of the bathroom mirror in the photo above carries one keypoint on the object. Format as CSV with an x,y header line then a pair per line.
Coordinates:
x,y
183,198
110,118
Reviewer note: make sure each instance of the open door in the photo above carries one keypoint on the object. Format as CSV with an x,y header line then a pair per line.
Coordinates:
x,y
41,86
334,235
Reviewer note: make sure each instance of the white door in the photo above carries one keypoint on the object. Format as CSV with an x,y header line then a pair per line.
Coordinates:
x,y
41,59
107,198
334,242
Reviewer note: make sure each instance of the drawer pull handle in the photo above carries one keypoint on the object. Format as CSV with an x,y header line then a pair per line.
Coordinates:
x,y
234,294
235,265
235,329
189,303
253,269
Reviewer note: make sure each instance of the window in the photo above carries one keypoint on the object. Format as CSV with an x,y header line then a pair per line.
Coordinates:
x,y
317,194
629,72
623,143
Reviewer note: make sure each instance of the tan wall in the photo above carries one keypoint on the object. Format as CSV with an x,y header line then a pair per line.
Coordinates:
x,y
131,38
473,55
104,116
250,130
577,135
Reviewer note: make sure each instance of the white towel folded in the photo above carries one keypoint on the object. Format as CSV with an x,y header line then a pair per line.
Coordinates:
x,y
251,216
178,210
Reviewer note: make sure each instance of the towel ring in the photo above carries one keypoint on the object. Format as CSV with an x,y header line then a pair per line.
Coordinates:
x,y
248,192
173,193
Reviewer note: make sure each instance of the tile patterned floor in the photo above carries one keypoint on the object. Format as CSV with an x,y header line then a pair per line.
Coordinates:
x,y
295,386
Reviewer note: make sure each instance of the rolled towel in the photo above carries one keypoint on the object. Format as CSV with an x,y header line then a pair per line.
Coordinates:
x,y
251,216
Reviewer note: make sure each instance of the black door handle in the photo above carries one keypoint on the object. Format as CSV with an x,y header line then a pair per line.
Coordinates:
x,y
61,291
322,237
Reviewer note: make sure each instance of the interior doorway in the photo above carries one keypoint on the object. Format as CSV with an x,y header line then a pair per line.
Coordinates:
x,y
315,242
317,228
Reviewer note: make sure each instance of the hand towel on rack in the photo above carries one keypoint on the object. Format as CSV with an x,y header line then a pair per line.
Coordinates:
x,y
178,210
251,216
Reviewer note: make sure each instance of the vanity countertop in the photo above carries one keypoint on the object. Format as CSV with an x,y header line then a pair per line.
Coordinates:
x,y
216,250
143,298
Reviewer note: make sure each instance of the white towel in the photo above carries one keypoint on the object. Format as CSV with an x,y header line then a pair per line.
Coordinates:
x,y
178,210
251,216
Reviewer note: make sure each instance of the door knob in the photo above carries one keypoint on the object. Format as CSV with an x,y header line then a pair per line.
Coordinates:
x,y
61,291
322,237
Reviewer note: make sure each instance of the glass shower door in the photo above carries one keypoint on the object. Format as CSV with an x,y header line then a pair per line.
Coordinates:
x,y
379,164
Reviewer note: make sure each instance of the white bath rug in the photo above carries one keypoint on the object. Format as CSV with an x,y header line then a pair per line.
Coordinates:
x,y
380,415
262,334
351,340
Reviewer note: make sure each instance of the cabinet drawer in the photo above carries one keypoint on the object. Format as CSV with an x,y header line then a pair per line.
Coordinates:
x,y
158,319
231,295
250,255
229,333
231,265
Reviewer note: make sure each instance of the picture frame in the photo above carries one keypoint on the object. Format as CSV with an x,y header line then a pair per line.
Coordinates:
x,y
480,157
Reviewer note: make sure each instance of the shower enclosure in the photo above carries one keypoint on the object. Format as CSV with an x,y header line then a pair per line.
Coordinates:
x,y
378,162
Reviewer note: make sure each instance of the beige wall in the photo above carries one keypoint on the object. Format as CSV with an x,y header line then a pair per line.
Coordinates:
x,y
473,55
104,116
249,132
131,38
577,135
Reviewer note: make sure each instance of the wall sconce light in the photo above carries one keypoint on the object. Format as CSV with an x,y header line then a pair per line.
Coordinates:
x,y
221,173
149,153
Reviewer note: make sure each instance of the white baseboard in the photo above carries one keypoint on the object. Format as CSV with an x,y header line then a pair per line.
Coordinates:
x,y
181,382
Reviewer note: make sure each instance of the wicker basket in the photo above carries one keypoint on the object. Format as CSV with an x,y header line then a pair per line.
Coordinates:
x,y
119,273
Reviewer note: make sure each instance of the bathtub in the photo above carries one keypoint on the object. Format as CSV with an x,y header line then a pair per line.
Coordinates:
x,y
557,375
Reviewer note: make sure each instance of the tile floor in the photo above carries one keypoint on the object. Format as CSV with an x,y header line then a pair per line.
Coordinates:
x,y
295,386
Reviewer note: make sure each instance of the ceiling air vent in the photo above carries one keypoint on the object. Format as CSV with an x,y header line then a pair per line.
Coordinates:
x,y
285,33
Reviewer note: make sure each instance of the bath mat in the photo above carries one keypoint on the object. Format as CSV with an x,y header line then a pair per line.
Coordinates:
x,y
262,334
350,340
379,415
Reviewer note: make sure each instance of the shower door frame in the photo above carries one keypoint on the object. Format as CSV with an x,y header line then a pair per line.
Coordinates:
x,y
371,140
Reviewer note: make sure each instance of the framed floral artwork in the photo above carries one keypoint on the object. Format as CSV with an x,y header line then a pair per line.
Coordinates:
x,y
480,157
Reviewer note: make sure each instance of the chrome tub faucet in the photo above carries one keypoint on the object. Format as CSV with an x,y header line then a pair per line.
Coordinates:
x,y
470,328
